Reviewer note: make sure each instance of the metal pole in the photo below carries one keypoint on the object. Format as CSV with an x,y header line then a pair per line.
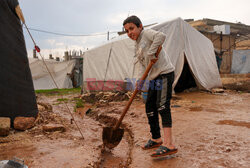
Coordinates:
x,y
220,42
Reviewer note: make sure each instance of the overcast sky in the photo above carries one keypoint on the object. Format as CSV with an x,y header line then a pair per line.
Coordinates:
x,y
90,17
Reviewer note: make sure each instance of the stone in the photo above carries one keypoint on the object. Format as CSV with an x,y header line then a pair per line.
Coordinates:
x,y
4,126
41,108
44,106
217,90
228,150
53,128
24,123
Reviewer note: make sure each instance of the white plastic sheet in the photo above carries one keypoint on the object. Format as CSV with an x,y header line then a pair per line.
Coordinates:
x,y
59,71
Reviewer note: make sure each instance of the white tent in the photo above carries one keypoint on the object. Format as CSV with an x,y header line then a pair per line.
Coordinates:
x,y
59,71
114,61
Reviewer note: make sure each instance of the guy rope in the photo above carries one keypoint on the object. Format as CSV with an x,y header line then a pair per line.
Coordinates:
x,y
21,17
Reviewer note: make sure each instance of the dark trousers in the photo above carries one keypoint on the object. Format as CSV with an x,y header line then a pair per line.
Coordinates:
x,y
158,101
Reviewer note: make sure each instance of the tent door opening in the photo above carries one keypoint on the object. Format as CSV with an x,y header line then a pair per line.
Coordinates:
x,y
186,79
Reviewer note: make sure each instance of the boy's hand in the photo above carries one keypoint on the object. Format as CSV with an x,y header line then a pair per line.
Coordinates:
x,y
154,60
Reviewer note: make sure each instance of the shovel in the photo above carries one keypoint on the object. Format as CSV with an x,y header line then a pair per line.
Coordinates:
x,y
112,136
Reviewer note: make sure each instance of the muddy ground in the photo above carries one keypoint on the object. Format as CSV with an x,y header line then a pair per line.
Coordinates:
x,y
210,130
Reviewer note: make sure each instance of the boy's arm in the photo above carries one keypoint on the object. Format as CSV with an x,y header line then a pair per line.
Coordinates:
x,y
157,39
140,69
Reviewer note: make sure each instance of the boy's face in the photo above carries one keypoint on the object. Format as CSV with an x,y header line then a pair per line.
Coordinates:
x,y
132,30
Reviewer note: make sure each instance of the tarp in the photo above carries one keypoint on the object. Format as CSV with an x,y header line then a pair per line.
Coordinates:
x,y
16,87
114,61
241,62
59,70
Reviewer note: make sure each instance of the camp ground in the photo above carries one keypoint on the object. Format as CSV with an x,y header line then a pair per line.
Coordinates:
x,y
189,50
54,112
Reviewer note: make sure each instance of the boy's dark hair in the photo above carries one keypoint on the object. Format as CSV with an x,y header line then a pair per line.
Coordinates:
x,y
132,19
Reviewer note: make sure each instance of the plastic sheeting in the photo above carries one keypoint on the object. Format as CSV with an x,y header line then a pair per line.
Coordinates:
x,y
114,60
16,87
198,49
59,70
109,65
241,62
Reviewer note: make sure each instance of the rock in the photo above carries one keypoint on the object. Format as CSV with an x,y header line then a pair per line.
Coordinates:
x,y
228,150
53,128
24,123
4,126
47,107
217,90
41,108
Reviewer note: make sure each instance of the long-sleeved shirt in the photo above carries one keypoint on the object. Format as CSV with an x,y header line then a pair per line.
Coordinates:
x,y
146,46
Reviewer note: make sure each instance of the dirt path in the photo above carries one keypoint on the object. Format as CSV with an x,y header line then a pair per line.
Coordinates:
x,y
53,150
209,130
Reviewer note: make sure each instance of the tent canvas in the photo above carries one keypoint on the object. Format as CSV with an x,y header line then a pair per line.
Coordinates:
x,y
241,62
111,62
115,60
59,71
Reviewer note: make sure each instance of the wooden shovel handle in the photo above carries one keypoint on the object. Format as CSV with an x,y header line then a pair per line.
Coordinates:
x,y
142,80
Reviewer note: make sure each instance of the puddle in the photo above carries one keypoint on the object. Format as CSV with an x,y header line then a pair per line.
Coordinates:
x,y
120,156
214,110
234,123
197,108
117,157
109,160
16,150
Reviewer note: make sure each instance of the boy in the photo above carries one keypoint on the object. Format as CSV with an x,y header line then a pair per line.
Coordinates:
x,y
161,76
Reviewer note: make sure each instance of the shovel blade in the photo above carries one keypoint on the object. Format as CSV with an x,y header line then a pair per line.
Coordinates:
x,y
111,138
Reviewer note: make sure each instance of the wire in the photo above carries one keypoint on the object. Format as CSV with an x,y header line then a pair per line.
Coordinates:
x,y
63,34
54,82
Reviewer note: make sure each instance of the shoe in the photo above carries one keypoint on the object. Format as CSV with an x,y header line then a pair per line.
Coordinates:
x,y
151,144
163,151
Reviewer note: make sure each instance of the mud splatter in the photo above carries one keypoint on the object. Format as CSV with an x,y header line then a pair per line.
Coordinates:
x,y
114,158
234,123
213,110
198,108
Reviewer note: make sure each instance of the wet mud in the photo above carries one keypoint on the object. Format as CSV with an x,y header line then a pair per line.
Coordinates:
x,y
234,123
120,156
238,82
209,130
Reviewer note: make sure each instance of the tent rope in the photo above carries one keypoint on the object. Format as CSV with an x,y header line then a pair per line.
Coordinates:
x,y
66,105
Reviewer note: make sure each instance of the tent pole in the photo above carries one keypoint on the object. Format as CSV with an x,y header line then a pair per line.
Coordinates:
x,y
107,67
